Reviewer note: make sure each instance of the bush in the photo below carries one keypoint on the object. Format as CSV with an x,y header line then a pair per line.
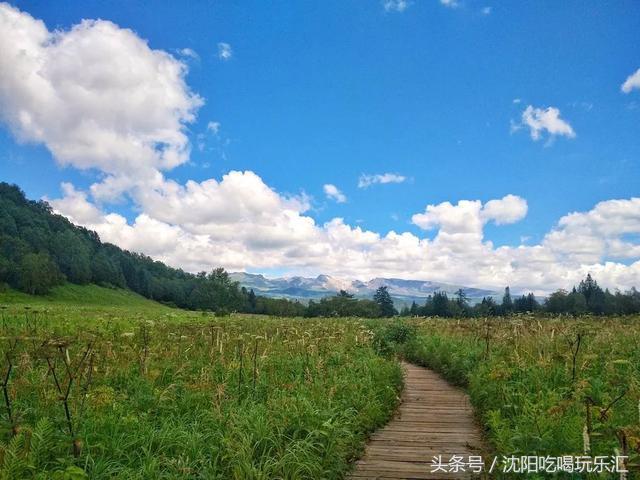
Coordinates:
x,y
387,339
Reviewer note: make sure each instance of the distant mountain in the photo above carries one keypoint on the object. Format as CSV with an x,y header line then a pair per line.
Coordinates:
x,y
305,288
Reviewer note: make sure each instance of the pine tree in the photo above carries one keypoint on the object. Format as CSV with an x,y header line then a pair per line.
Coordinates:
x,y
441,304
384,301
593,295
251,298
461,298
507,302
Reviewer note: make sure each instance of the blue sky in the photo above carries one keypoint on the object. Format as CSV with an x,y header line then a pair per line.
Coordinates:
x,y
317,93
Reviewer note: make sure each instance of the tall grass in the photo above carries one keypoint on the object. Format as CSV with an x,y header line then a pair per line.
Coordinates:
x,y
175,394
542,386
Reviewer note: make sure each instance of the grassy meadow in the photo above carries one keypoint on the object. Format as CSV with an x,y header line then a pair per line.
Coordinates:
x,y
541,386
101,383
150,392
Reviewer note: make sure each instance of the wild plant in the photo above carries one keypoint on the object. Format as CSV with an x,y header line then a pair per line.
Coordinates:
x,y
73,377
9,361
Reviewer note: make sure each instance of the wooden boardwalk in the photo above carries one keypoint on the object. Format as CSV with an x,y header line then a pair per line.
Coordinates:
x,y
434,419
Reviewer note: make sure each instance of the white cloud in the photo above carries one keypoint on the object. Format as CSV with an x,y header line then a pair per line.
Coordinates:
x,y
231,222
213,127
517,100
486,10
241,223
598,233
460,227
224,51
632,81
450,3
76,206
366,180
189,52
99,98
539,120
395,5
508,209
96,96
332,192
461,218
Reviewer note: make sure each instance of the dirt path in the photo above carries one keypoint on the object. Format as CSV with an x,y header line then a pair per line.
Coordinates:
x,y
434,419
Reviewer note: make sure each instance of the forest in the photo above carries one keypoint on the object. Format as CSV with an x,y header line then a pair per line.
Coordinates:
x,y
40,249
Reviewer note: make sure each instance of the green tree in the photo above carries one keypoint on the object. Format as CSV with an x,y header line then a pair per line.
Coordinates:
x,y
461,298
487,307
251,300
37,274
384,301
72,256
593,295
558,302
507,302
105,271
526,303
440,305
8,272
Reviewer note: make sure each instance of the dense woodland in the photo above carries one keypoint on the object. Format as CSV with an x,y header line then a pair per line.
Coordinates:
x,y
40,249
586,298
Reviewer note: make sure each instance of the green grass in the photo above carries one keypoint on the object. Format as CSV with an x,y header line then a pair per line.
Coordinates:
x,y
80,295
168,394
528,391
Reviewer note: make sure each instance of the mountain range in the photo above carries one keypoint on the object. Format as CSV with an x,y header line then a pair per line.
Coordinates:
x,y
314,288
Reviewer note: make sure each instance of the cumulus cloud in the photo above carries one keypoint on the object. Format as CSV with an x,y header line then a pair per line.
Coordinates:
x,y
632,81
540,120
460,227
241,223
509,209
231,222
332,192
366,180
598,233
224,51
469,216
96,96
395,5
464,217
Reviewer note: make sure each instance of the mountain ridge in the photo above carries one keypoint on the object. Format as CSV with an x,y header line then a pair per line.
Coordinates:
x,y
313,288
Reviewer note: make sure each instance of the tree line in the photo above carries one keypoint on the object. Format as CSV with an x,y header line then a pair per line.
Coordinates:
x,y
40,249
585,298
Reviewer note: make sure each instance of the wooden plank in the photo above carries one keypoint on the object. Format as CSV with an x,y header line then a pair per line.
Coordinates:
x,y
434,419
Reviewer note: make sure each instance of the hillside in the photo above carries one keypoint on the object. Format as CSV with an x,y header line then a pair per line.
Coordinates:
x,y
85,295
42,252
45,258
